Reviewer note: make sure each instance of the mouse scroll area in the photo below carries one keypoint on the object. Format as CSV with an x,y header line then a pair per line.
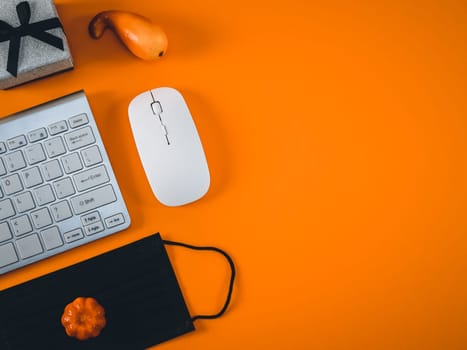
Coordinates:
x,y
158,112
156,108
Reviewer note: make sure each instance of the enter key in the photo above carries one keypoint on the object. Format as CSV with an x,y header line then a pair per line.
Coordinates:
x,y
91,178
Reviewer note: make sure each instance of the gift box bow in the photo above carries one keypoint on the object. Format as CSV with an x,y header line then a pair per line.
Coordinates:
x,y
36,30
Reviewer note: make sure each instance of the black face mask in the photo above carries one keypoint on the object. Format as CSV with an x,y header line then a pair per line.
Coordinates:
x,y
135,284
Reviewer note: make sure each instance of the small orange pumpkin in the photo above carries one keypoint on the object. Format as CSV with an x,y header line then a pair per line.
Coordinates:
x,y
83,318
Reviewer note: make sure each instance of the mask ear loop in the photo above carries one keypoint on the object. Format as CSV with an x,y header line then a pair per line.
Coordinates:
x,y
232,276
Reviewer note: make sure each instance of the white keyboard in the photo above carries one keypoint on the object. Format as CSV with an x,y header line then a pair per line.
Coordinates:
x,y
57,187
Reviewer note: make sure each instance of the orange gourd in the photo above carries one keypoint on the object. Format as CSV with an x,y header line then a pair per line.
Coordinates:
x,y
143,38
83,318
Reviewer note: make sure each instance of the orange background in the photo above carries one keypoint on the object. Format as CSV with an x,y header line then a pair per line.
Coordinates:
x,y
335,132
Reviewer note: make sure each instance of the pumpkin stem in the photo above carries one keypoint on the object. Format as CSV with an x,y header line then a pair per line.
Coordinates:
x,y
99,24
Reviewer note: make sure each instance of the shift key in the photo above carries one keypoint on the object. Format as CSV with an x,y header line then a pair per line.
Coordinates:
x,y
93,199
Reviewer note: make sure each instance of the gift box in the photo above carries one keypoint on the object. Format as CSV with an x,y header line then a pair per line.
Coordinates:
x,y
32,42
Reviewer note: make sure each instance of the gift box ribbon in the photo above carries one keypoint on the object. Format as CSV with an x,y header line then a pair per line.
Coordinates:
x,y
36,30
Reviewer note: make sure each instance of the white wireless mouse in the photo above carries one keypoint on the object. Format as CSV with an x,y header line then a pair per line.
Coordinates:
x,y
169,146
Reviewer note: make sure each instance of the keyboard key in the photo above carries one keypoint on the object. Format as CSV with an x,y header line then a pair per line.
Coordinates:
x,y
24,202
91,218
91,155
7,255
32,177
34,153
79,138
54,147
12,184
51,170
6,209
64,188
114,220
60,211
37,135
91,178
71,163
51,238
2,167
78,120
2,147
44,195
29,246
14,161
21,225
94,228
74,235
5,232
41,218
16,142
93,199
58,127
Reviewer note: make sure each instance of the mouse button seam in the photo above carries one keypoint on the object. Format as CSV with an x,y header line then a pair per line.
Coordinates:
x,y
152,95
